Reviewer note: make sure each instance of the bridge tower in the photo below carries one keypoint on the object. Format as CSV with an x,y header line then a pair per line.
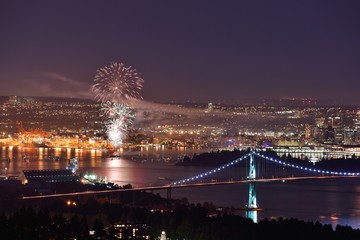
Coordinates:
x,y
252,204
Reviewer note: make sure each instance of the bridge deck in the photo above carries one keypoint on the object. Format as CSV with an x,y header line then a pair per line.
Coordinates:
x,y
260,180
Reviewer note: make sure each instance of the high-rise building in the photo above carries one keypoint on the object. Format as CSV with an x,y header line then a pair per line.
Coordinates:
x,y
350,136
319,130
335,122
320,122
329,136
357,135
308,131
356,124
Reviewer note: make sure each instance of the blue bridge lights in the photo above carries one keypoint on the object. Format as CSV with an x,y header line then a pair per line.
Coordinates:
x,y
252,174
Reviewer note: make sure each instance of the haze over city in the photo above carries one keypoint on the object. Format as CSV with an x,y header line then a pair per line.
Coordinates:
x,y
207,51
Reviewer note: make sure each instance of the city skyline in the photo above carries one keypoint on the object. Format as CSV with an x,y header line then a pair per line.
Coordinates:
x,y
189,51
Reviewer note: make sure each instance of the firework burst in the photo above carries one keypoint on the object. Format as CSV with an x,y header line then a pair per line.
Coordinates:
x,y
117,87
117,83
119,120
115,132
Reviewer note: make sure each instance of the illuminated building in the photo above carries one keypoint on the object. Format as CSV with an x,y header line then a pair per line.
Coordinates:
x,y
12,99
350,136
335,127
49,176
209,108
320,122
307,131
129,231
320,129
357,136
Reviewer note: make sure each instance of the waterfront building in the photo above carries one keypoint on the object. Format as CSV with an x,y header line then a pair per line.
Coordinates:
x,y
47,176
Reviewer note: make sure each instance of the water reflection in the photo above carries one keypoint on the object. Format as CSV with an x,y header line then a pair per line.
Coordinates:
x,y
41,154
89,160
252,215
115,162
328,201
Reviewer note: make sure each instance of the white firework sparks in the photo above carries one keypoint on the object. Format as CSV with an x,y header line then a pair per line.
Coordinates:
x,y
120,118
116,87
115,132
114,110
117,83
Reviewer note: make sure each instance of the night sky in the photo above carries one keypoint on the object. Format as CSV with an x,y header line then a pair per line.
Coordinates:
x,y
207,51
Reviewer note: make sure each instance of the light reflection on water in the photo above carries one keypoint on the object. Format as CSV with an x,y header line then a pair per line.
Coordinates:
x,y
331,201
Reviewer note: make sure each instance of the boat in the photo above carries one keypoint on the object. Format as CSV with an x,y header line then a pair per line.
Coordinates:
x,y
73,164
115,154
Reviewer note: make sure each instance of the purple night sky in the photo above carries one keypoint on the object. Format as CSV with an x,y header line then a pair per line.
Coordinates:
x,y
220,51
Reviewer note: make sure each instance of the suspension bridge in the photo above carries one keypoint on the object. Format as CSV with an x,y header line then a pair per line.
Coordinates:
x,y
262,168
250,168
